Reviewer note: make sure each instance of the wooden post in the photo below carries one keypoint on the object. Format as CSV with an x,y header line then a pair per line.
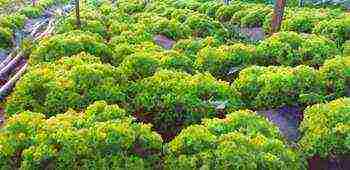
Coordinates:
x,y
77,13
277,16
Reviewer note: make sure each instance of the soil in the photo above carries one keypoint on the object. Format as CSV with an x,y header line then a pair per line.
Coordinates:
x,y
341,162
287,118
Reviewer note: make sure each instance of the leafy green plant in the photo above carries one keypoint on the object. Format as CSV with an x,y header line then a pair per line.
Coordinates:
x,y
225,12
272,87
203,26
326,129
170,28
292,49
13,21
67,83
93,26
224,62
171,100
5,38
304,19
335,29
242,139
139,66
177,61
192,46
335,75
68,44
346,48
104,136
255,16
32,11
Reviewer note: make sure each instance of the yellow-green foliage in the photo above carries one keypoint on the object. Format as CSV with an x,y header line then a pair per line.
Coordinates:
x,y
103,136
346,48
326,129
67,83
225,61
5,38
271,87
243,139
335,75
171,100
292,49
335,29
68,44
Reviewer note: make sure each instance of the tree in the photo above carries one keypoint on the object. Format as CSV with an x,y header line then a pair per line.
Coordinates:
x,y
277,15
77,13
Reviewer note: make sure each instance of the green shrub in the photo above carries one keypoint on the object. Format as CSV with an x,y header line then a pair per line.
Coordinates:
x,y
188,4
292,49
102,137
249,15
5,38
131,6
139,66
179,15
120,52
133,36
336,29
203,26
326,129
225,12
93,26
171,100
335,75
32,11
211,8
67,83
303,19
225,61
68,44
242,140
255,16
272,87
13,21
192,46
170,28
116,28
346,48
177,61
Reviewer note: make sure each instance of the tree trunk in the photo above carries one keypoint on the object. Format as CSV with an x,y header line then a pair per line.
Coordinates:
x,y
77,13
226,2
277,16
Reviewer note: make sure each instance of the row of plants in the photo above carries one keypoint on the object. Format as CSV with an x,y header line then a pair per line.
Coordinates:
x,y
106,136
102,137
171,99
92,19
283,48
9,23
119,24
191,54
162,96
134,22
332,23
276,86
